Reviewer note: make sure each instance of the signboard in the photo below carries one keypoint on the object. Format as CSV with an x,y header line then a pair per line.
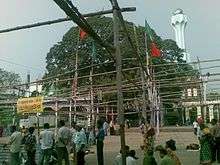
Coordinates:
x,y
30,105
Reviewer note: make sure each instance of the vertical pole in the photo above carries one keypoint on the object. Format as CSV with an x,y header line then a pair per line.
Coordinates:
x,y
76,76
158,114
70,113
38,120
154,100
143,76
218,112
119,78
56,109
74,118
92,117
149,84
162,116
202,93
211,112
204,99
112,115
14,113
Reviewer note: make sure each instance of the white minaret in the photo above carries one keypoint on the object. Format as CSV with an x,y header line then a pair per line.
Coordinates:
x,y
178,22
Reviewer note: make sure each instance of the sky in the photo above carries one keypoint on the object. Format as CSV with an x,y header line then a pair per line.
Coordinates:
x,y
28,48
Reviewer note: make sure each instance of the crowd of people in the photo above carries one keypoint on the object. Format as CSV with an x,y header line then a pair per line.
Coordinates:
x,y
56,149
209,139
167,152
77,140
208,135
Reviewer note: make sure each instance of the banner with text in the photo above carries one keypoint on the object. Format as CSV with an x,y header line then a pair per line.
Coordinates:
x,y
30,105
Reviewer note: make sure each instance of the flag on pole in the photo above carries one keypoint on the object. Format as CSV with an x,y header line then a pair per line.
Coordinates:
x,y
82,34
154,50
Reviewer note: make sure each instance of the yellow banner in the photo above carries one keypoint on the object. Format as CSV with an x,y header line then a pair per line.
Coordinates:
x,y
30,105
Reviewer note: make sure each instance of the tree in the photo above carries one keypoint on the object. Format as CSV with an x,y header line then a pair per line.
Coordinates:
x,y
61,59
6,93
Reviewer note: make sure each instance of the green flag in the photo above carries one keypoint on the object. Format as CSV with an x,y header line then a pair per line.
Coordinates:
x,y
155,52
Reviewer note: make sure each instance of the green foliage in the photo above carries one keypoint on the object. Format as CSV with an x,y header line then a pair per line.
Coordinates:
x,y
61,58
7,79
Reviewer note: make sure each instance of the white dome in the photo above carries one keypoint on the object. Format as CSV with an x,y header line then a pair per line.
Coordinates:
x,y
178,11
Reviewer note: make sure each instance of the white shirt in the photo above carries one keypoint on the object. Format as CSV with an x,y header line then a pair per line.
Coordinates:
x,y
46,139
64,134
130,161
195,124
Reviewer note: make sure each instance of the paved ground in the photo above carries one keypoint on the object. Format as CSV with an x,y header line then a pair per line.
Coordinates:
x,y
134,140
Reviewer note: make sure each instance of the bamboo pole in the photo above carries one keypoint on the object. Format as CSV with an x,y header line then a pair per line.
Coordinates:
x,y
128,9
119,78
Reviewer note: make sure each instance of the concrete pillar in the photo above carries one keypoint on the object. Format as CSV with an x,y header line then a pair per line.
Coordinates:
x,y
211,114
199,111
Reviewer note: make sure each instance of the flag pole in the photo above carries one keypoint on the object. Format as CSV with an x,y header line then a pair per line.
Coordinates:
x,y
75,83
149,85
92,118
94,112
143,75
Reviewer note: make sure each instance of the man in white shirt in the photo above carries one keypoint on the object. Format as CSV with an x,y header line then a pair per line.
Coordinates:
x,y
64,135
15,148
47,142
195,127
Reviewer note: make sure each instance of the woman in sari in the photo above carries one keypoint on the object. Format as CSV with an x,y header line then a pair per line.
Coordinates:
x,y
206,141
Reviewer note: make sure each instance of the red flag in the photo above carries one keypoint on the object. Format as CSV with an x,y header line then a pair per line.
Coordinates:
x,y
82,34
155,52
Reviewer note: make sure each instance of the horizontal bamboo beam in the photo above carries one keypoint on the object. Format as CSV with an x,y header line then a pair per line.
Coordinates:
x,y
128,9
